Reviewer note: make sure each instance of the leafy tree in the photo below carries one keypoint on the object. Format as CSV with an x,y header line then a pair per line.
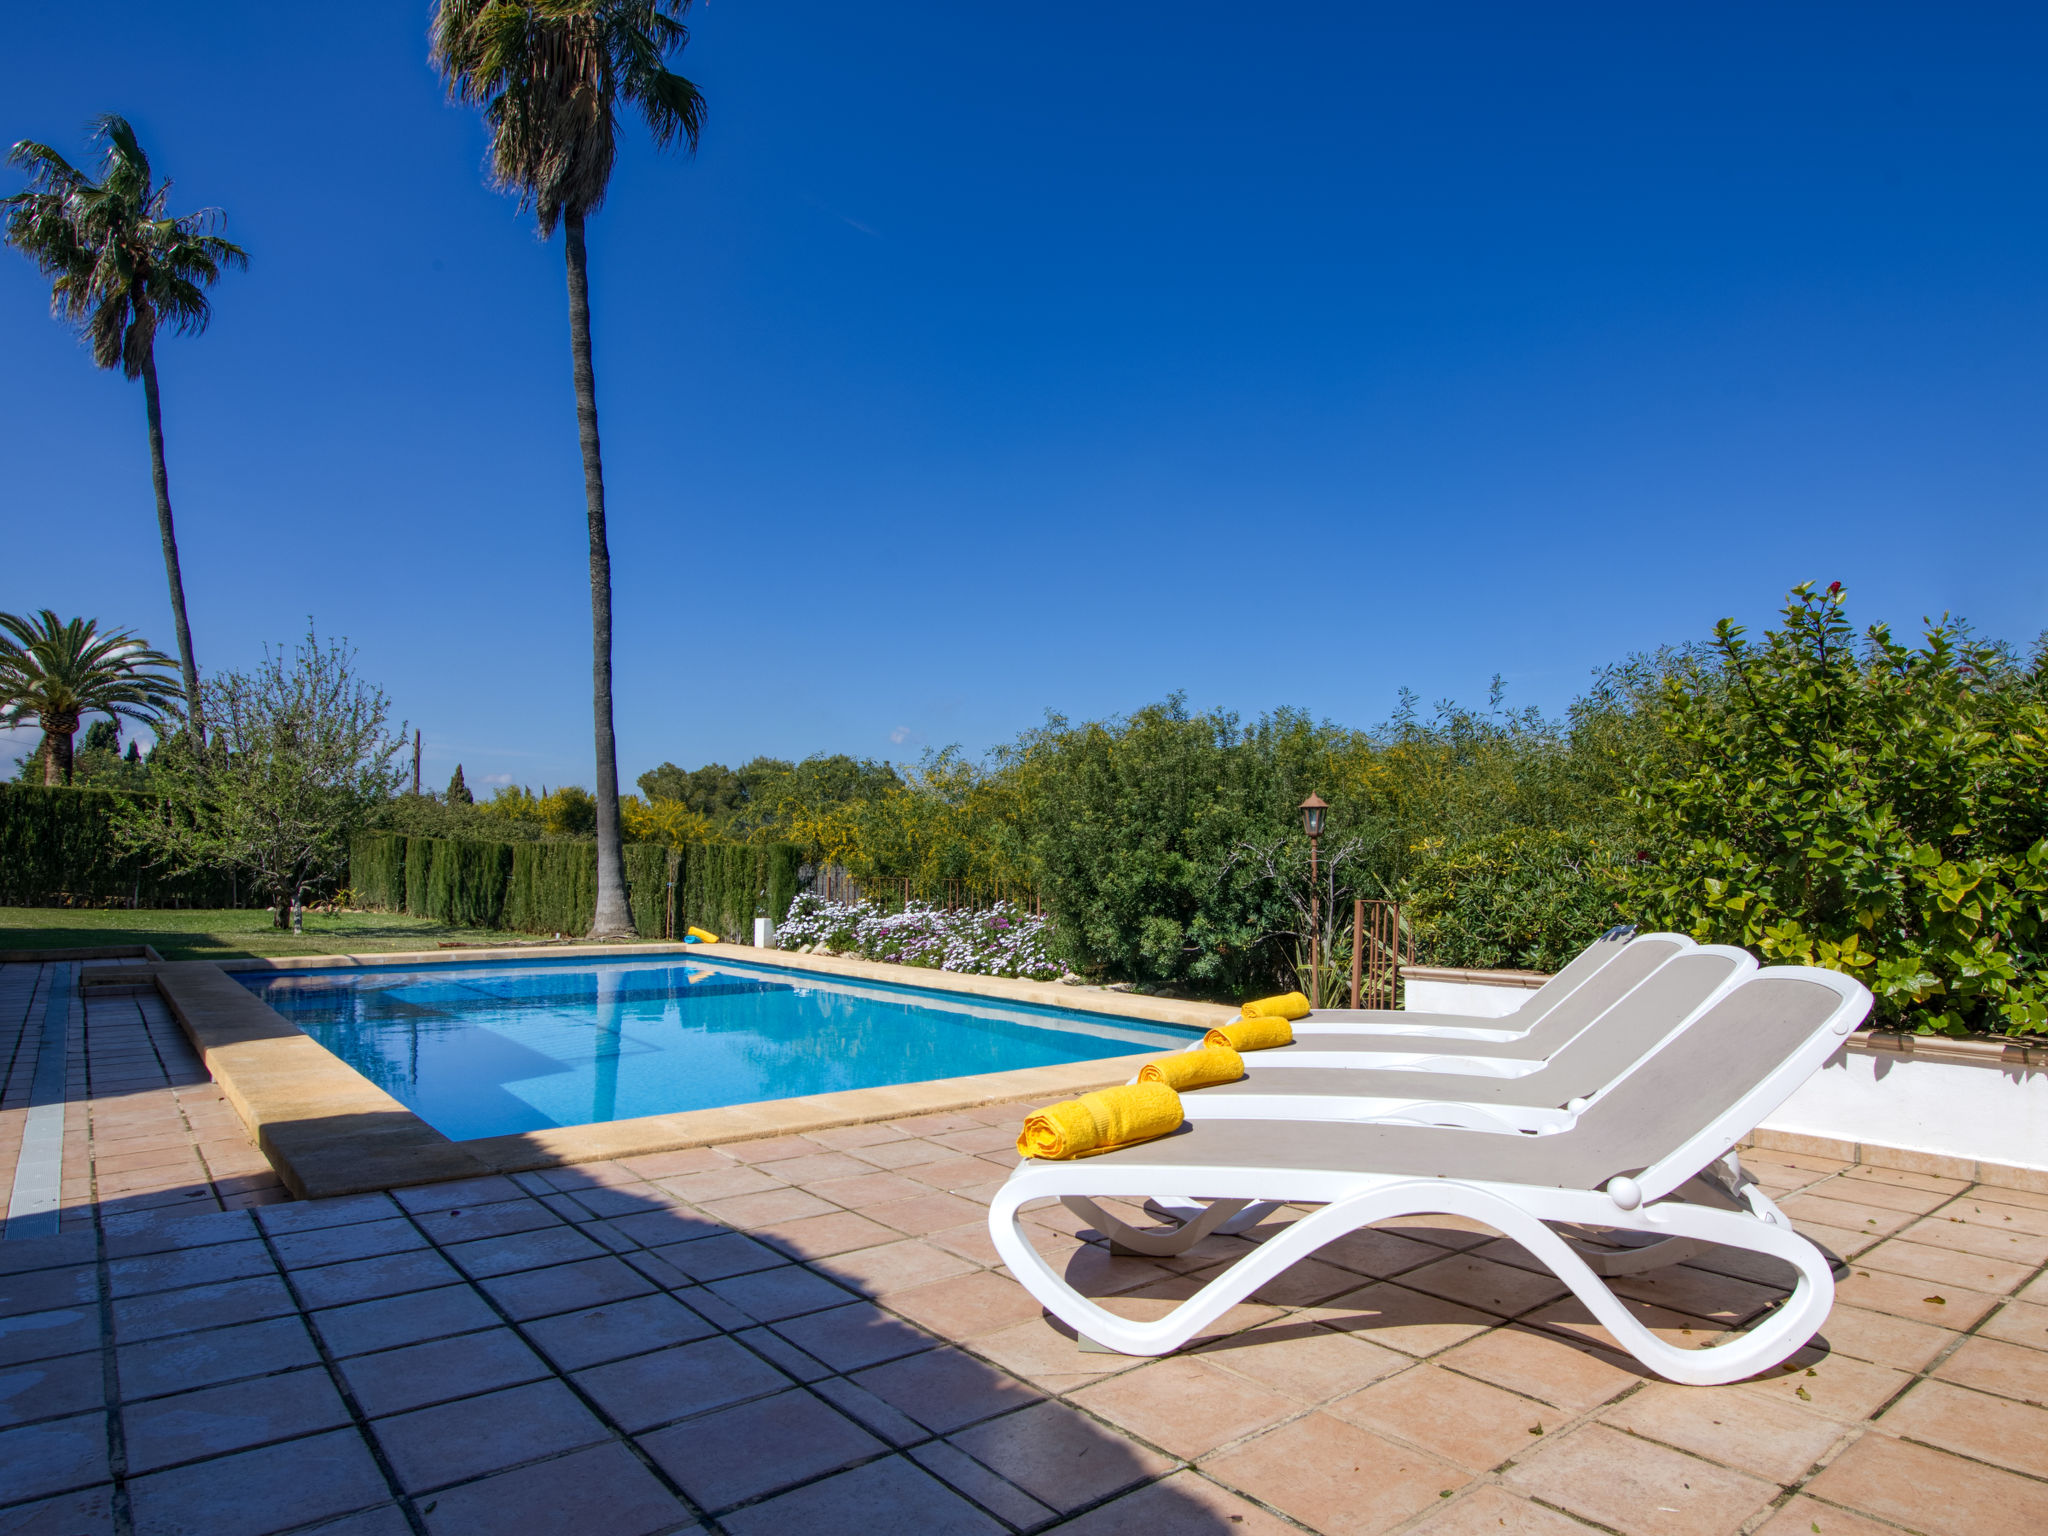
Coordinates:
x,y
1527,899
551,76
458,792
56,672
121,265
300,760
1860,804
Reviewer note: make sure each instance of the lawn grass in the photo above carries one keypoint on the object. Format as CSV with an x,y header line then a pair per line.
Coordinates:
x,y
231,935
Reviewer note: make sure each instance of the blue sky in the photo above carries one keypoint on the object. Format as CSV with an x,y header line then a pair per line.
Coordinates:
x,y
988,361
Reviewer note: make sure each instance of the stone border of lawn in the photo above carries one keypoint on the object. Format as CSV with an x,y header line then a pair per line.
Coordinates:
x,y
328,1130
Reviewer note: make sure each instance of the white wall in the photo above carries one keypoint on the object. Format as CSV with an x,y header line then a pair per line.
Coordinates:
x,y
1953,1108
1879,1098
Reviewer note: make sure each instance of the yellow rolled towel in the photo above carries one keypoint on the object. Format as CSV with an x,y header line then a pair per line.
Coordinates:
x,y
703,935
1288,1005
1101,1121
1252,1035
1194,1069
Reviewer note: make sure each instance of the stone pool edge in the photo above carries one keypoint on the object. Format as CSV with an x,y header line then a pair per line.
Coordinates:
x,y
328,1130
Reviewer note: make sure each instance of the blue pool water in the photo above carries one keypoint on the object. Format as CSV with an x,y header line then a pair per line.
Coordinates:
x,y
491,1049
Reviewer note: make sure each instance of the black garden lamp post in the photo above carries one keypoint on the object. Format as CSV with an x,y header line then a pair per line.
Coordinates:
x,y
1312,812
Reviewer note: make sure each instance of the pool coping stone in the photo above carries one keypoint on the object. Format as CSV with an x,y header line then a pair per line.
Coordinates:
x,y
329,1131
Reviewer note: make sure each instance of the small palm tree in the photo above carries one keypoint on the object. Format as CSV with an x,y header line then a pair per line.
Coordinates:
x,y
551,76
57,673
121,265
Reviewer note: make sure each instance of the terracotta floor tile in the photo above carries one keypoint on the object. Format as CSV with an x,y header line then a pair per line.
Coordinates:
x,y
820,1237
216,1420
1457,1233
1946,1306
846,1138
2007,1245
60,1454
417,1375
854,1337
393,1320
967,1306
771,1150
1854,1187
2035,1292
1991,1365
185,1361
1716,1298
718,1258
664,1165
1094,1271
1987,1208
1973,1424
254,1492
1483,1284
387,1275
954,1172
902,1155
1573,1317
468,1223
1853,1215
1883,1339
1152,1302
1402,1319
1930,1491
1903,1178
1635,1486
1834,1385
1335,1477
1491,1510
719,1184
1185,1502
1544,1366
970,1240
433,1447
634,1326
888,1495
565,1288
1060,1457
41,1290
1306,1283
868,1187
1469,1423
172,1312
646,1390
1765,1436
1309,1363
769,1295
1942,1266
90,1513
193,1266
745,1212
1185,1405
930,1210
944,1389
1048,1356
741,1453
896,1266
817,1165
602,1489
2012,1195
2019,1322
49,1389
1803,1516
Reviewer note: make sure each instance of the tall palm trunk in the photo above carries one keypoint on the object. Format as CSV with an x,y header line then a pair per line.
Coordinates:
x,y
161,478
612,918
57,757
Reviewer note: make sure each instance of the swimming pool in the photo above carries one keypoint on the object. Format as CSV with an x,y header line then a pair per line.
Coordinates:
x,y
508,1046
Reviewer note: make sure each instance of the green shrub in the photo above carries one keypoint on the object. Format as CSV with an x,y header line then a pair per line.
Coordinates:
x,y
552,887
467,884
647,877
58,848
1513,900
1865,806
376,871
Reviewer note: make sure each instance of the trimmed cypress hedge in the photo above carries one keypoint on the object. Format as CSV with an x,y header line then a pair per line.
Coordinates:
x,y
376,871
57,849
552,887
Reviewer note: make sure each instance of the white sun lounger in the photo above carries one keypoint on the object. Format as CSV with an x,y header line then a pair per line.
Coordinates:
x,y
1668,1126
1457,1026
1580,1010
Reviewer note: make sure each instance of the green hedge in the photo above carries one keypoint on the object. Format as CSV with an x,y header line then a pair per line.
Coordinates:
x,y
552,887
376,871
57,849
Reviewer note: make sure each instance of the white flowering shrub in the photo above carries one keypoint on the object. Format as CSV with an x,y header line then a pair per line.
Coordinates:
x,y
1002,940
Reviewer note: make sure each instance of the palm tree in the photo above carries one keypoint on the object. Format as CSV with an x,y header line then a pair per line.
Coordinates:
x,y
550,76
121,265
58,673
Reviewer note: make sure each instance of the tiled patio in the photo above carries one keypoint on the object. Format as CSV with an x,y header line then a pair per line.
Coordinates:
x,y
807,1335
